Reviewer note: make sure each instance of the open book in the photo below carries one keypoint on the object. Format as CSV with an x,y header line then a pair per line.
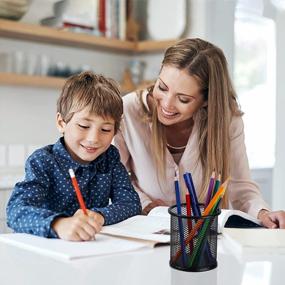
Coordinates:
x,y
155,227
236,219
151,230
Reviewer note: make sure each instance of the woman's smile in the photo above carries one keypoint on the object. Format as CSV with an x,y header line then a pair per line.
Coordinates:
x,y
168,113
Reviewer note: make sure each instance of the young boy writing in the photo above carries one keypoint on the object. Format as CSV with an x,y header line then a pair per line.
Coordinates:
x,y
89,111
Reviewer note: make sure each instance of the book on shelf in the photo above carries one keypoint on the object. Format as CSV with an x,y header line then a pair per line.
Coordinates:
x,y
255,241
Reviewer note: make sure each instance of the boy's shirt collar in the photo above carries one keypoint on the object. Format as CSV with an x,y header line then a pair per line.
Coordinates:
x,y
67,162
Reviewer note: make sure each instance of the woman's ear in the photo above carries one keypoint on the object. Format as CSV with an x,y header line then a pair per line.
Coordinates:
x,y
205,104
60,123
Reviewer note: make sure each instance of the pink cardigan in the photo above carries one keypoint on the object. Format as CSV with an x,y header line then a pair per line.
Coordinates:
x,y
133,142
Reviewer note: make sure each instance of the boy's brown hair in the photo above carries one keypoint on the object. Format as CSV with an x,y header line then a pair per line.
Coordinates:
x,y
87,89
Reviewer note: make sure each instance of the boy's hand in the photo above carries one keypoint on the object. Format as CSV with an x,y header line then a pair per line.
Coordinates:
x,y
79,227
97,217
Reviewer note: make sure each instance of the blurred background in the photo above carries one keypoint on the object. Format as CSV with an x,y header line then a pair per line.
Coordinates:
x,y
44,41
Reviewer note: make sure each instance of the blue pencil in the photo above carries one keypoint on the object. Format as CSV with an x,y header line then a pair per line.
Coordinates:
x,y
179,212
194,200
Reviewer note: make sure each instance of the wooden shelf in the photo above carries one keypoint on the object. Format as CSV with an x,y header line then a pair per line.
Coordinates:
x,y
42,34
14,79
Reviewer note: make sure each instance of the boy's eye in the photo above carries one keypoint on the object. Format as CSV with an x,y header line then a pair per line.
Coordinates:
x,y
106,130
83,126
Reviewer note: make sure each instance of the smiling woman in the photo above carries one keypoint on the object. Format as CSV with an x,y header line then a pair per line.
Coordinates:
x,y
178,98
190,121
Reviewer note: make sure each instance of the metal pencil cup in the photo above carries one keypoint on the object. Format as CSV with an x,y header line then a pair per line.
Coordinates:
x,y
193,240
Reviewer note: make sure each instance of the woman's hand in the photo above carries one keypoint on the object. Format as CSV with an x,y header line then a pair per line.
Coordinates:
x,y
79,227
153,204
272,220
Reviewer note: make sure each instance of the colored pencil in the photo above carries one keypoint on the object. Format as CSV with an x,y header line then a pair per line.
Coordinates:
x,y
202,239
179,213
189,220
210,189
77,191
220,193
217,185
194,200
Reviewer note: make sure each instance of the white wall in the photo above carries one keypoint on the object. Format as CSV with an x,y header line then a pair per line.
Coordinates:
x,y
27,115
279,168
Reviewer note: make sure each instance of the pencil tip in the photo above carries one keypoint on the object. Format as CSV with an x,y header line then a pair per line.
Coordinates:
x,y
225,184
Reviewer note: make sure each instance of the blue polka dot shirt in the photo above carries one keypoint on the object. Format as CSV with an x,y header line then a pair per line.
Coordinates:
x,y
47,191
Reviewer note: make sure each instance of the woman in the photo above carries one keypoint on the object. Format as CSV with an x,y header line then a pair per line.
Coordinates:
x,y
190,120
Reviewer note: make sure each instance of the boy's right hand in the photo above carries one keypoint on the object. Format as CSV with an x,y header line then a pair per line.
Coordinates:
x,y
79,227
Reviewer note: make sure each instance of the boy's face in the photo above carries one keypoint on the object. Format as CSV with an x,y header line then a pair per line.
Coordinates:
x,y
86,135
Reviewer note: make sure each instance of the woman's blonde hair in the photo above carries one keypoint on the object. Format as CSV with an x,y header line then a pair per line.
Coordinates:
x,y
208,65
100,94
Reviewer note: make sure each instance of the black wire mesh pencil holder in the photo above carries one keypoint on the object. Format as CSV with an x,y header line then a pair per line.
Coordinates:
x,y
193,240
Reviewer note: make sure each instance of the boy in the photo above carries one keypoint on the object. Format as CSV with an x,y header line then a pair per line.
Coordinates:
x,y
89,111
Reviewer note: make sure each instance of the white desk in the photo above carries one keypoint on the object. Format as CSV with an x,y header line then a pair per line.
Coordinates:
x,y
147,267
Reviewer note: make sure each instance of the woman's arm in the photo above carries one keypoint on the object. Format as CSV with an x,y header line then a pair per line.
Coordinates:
x,y
244,194
126,159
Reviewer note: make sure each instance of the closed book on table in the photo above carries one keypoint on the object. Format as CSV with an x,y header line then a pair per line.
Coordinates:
x,y
255,241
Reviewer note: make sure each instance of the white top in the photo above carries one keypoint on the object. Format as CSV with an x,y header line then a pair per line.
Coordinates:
x,y
133,142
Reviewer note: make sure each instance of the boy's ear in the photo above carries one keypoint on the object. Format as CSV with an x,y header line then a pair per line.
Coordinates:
x,y
60,124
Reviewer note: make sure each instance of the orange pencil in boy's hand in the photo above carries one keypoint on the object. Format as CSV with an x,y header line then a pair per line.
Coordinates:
x,y
77,190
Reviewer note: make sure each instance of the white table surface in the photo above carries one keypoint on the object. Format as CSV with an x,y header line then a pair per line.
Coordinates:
x,y
145,266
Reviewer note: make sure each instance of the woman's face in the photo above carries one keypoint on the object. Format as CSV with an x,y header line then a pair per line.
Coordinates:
x,y
178,96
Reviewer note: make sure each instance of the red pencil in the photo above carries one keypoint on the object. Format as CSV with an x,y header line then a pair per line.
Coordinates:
x,y
189,220
77,191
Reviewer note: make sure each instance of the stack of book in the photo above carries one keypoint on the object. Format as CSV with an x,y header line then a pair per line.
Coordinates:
x,y
106,18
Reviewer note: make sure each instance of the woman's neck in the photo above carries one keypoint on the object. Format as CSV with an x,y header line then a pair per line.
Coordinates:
x,y
178,135
182,127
